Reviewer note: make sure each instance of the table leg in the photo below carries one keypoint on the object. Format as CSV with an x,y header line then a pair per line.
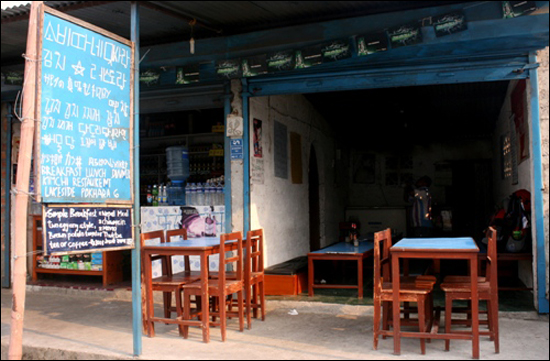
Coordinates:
x,y
475,306
395,306
148,272
310,277
360,276
205,299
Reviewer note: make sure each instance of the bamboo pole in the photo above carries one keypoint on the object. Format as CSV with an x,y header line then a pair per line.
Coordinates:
x,y
22,187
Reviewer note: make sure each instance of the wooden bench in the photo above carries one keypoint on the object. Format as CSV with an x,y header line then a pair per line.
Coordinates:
x,y
503,269
286,279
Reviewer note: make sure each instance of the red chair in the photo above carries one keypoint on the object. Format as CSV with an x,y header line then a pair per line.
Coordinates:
x,y
221,287
459,288
419,291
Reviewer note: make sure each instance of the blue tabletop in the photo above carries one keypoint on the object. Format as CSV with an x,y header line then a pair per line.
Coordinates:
x,y
193,242
443,244
343,247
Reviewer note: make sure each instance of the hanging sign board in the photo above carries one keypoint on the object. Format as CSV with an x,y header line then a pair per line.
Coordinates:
x,y
449,24
336,50
70,229
254,65
85,132
405,35
371,43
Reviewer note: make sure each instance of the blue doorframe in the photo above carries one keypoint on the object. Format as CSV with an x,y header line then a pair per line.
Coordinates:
x,y
538,188
227,160
246,156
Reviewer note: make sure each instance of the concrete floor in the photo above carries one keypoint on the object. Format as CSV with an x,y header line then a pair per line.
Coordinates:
x,y
77,324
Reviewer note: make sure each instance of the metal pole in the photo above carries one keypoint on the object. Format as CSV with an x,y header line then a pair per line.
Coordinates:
x,y
22,187
136,252
227,159
246,156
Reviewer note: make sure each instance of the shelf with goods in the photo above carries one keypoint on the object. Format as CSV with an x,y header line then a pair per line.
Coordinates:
x,y
107,265
206,157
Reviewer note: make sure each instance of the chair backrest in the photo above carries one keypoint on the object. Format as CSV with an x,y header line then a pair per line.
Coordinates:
x,y
147,236
382,244
254,258
492,276
226,241
182,232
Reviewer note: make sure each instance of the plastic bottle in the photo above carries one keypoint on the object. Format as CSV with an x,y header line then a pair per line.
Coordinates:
x,y
219,195
187,193
155,196
193,194
199,201
163,196
210,194
149,196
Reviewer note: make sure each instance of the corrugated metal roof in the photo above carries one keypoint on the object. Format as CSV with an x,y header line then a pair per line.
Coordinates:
x,y
168,21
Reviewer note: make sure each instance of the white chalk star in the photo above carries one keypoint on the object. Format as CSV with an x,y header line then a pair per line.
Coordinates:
x,y
79,69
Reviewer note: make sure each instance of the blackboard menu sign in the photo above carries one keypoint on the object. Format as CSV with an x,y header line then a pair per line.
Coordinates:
x,y
86,113
81,229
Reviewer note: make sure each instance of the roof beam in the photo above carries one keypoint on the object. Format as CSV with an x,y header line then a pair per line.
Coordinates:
x,y
66,8
487,33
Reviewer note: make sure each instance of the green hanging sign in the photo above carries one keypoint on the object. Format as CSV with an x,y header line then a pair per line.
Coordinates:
x,y
336,50
229,69
254,65
449,24
310,56
371,43
405,35
281,61
187,74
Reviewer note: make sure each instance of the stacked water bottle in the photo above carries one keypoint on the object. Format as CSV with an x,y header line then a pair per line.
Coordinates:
x,y
209,193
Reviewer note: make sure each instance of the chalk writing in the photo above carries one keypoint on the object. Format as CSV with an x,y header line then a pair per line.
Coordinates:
x,y
85,125
79,229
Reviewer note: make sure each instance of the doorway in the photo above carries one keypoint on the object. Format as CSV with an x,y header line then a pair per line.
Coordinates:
x,y
314,207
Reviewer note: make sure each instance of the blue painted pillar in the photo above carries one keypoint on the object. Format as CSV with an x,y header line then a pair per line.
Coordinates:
x,y
136,252
246,156
538,188
227,159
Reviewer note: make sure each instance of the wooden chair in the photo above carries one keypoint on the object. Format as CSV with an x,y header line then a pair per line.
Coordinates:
x,y
168,283
254,275
459,288
418,290
187,274
221,287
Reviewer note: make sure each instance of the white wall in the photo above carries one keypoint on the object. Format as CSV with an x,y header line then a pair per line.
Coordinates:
x,y
280,207
503,188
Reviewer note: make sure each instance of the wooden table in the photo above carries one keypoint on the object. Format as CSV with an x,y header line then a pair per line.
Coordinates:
x,y
436,248
202,247
340,252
